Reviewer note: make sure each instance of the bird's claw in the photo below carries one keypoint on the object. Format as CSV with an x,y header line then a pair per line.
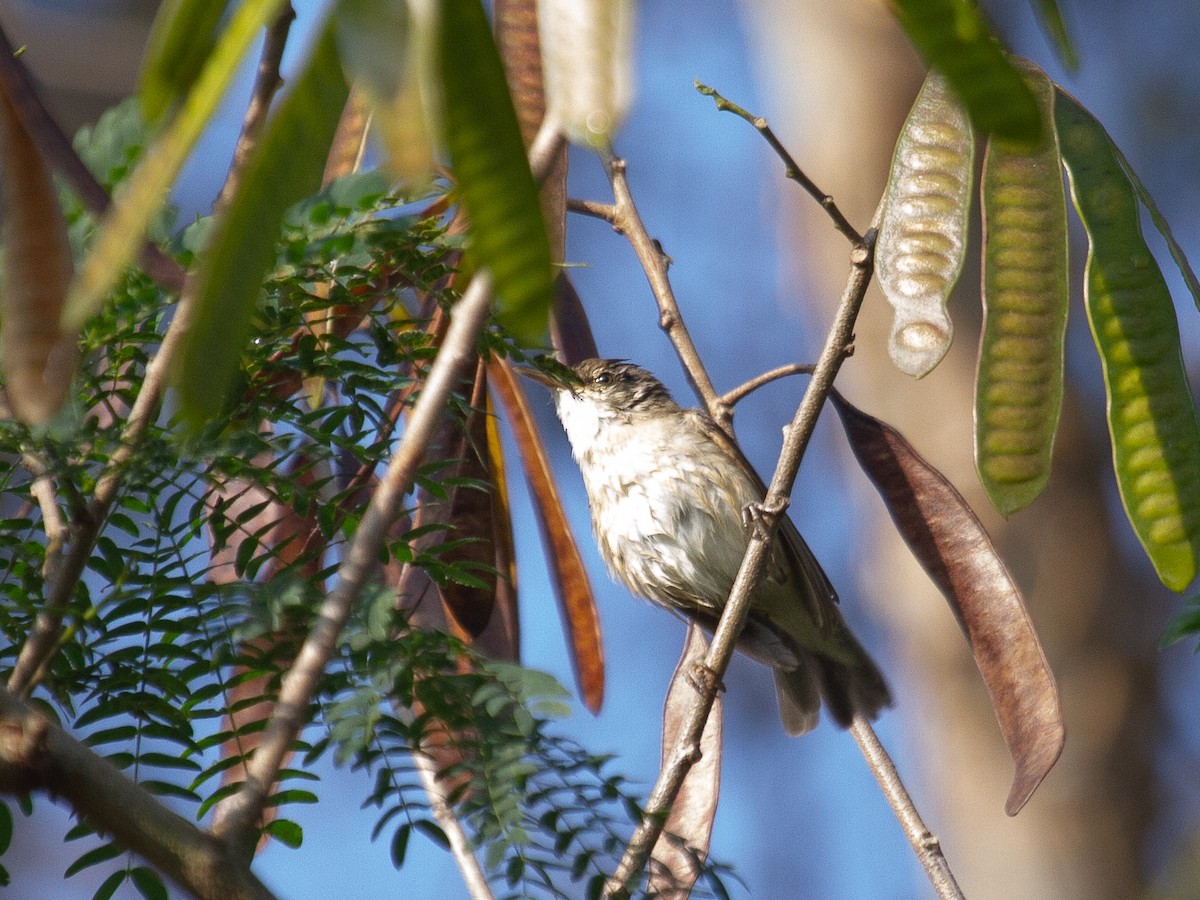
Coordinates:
x,y
756,515
703,679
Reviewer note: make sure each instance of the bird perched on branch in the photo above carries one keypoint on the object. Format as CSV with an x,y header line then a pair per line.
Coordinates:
x,y
672,500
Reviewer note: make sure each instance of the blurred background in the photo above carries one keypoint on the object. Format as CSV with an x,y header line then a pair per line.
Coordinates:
x,y
757,270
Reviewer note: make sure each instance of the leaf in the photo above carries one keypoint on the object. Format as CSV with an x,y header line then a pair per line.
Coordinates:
x,y
37,356
567,572
6,827
508,235
93,857
123,227
286,832
148,883
1019,382
952,36
570,332
1050,18
286,165
952,547
1185,624
683,845
110,884
183,35
1151,414
923,230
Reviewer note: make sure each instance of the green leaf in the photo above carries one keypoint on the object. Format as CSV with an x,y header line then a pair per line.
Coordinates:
x,y
489,162
110,885
6,827
1151,415
399,848
183,36
1019,382
1050,18
93,857
952,36
286,832
149,883
1185,624
123,228
286,166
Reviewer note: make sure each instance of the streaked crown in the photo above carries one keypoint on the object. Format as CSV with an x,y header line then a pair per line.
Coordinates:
x,y
620,386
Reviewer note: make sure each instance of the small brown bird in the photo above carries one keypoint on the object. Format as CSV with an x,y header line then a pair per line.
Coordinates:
x,y
669,494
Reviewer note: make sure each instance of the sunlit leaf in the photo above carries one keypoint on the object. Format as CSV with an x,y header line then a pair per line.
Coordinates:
x,y
37,356
1019,382
286,165
952,547
568,575
684,841
508,235
182,37
123,227
953,37
1151,414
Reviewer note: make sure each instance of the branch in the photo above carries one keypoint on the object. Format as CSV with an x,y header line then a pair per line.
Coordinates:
x,y
359,562
740,392
460,844
733,617
626,220
57,149
923,841
791,169
266,83
36,754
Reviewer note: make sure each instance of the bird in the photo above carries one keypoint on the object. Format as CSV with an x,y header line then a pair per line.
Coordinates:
x,y
672,502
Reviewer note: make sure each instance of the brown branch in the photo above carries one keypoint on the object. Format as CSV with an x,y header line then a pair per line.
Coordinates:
x,y
740,392
626,220
266,82
460,844
56,147
791,169
359,562
36,754
733,617
923,841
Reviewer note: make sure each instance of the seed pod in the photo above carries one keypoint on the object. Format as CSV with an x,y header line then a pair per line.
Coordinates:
x,y
923,234
1151,415
1019,385
587,63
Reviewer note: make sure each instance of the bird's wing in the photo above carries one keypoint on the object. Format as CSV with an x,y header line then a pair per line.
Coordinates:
x,y
793,560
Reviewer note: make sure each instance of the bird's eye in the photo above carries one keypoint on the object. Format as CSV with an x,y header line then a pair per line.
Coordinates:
x,y
604,378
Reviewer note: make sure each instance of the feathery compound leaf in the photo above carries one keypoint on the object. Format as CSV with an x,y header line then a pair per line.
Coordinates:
x,y
508,235
923,232
124,226
1151,415
1019,384
37,357
285,167
953,37
949,542
183,36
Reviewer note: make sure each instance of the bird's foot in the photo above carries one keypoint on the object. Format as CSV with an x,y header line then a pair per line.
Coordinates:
x,y
703,679
757,515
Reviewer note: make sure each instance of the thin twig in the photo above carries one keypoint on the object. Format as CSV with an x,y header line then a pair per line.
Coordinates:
x,y
460,845
923,841
359,562
733,617
56,147
791,169
35,754
627,221
593,208
267,81
740,392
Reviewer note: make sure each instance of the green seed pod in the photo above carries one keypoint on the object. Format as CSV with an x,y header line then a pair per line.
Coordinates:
x,y
923,233
1019,383
1151,416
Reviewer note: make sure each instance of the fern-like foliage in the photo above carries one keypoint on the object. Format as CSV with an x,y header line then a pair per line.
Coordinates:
x,y
209,569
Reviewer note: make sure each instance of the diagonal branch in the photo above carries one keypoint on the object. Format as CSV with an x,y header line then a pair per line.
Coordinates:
x,y
35,754
359,562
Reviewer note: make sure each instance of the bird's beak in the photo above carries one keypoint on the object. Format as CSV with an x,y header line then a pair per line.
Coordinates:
x,y
555,384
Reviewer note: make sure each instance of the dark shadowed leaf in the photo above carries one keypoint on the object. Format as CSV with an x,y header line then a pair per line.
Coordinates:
x,y
951,545
286,166
570,332
37,356
508,235
953,37
566,566
683,845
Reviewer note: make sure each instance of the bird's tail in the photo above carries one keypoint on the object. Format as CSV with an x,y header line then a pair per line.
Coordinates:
x,y
852,685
